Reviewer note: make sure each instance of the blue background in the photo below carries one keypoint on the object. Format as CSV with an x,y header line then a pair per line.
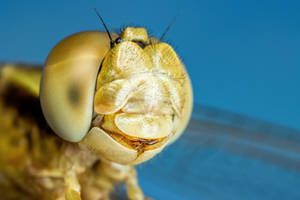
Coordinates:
x,y
242,56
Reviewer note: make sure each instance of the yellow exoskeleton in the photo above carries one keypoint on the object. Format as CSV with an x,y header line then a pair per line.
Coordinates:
x,y
112,104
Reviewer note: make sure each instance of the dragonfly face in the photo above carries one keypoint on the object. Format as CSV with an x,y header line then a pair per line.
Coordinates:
x,y
223,146
125,102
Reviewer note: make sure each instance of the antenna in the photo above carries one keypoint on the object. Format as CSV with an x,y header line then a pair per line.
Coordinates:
x,y
106,29
169,27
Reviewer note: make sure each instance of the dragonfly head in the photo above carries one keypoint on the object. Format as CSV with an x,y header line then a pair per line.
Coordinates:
x,y
125,100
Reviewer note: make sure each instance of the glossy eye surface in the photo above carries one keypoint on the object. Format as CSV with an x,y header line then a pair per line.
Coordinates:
x,y
68,83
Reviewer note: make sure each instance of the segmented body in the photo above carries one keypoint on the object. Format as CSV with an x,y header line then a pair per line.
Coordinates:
x,y
114,106
34,162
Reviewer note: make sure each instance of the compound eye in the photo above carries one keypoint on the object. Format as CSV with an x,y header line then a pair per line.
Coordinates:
x,y
68,83
66,107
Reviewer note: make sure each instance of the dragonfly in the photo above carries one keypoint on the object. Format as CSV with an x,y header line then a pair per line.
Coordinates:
x,y
112,101
217,158
221,155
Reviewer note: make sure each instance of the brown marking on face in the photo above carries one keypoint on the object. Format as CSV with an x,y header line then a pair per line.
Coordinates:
x,y
139,144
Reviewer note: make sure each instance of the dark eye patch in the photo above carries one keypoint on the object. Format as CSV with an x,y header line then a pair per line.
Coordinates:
x,y
74,94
